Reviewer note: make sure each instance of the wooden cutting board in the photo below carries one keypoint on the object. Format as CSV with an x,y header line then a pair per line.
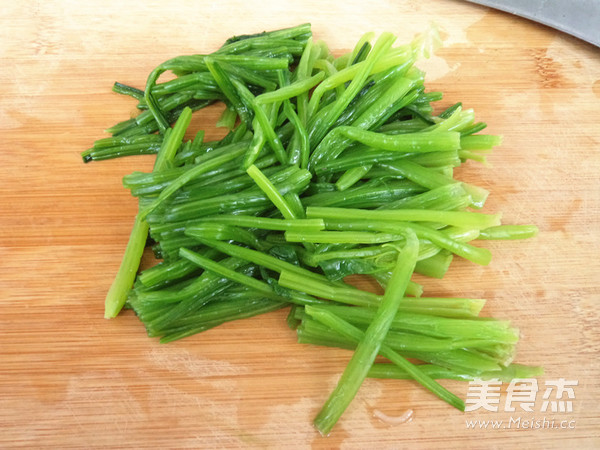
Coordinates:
x,y
71,379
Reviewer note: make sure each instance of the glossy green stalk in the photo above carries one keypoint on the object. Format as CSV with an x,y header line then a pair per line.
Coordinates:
x,y
159,315
381,231
404,143
119,151
373,64
295,203
215,314
341,237
505,374
248,76
117,294
370,343
224,81
456,218
328,116
121,88
262,121
361,49
191,82
351,177
299,146
163,272
435,266
260,258
345,294
448,197
238,203
366,195
116,141
271,191
353,333
191,174
293,90
223,232
388,95
257,285
509,232
362,155
489,330
480,142
265,223
432,179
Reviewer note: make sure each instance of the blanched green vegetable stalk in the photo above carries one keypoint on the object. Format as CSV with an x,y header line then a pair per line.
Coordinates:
x,y
332,166
368,347
117,294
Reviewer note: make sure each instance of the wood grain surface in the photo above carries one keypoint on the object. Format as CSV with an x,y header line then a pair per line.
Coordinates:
x,y
71,379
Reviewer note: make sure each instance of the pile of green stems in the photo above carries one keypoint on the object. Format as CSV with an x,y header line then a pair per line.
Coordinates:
x,y
332,166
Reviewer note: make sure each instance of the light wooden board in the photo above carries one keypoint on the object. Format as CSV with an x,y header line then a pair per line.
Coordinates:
x,y
69,378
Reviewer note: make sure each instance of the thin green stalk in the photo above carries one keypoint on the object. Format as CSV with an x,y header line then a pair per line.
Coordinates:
x,y
250,77
352,176
435,266
431,179
509,232
456,218
318,288
341,237
381,231
122,146
222,314
223,232
404,342
191,296
262,121
480,142
351,253
299,145
293,90
120,151
259,286
491,331
381,101
121,88
373,64
366,195
191,174
265,223
260,258
448,197
239,203
296,205
404,143
117,294
224,81
326,117
271,191
355,334
165,272
152,103
506,374
370,343
361,49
